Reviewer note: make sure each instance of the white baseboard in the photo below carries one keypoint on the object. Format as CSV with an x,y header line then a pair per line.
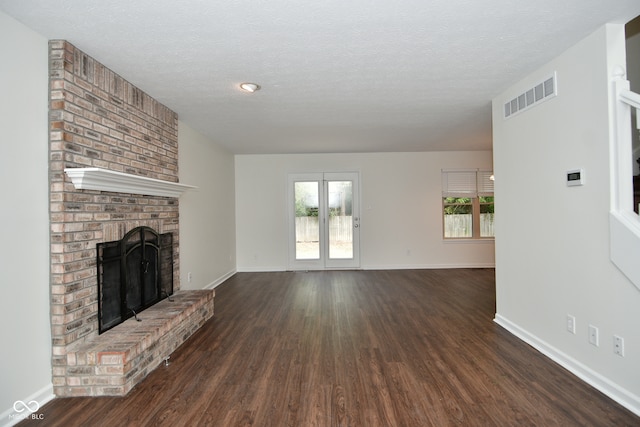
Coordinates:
x,y
426,266
376,267
12,417
586,374
261,269
220,280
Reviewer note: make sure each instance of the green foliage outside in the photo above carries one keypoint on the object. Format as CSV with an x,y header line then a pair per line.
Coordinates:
x,y
486,204
457,205
463,205
306,191
303,210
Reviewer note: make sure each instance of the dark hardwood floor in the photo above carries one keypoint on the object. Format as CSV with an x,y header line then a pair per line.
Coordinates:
x,y
352,348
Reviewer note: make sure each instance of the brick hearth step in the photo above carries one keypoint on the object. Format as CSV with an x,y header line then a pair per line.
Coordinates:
x,y
112,363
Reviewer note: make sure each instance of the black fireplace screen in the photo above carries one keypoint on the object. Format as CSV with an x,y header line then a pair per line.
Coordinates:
x,y
133,274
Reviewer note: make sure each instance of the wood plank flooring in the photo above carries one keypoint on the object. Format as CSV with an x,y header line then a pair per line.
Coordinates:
x,y
352,348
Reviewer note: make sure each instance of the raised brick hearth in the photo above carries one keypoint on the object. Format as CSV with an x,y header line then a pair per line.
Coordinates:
x,y
99,120
111,364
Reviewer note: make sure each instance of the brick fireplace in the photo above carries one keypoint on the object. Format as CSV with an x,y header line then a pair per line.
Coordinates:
x,y
99,120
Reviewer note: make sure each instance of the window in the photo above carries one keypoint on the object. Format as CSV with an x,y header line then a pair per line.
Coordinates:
x,y
467,204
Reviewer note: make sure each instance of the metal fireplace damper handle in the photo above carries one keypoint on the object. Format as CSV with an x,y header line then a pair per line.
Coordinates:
x,y
135,315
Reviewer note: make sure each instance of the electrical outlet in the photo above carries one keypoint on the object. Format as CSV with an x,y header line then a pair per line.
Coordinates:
x,y
189,277
571,324
594,336
618,345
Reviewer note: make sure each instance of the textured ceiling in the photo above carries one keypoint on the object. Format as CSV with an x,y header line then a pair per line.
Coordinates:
x,y
336,76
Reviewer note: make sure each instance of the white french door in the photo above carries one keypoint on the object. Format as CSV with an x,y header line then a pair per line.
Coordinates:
x,y
324,221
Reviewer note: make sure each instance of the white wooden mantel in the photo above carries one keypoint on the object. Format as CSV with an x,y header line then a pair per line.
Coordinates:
x,y
120,182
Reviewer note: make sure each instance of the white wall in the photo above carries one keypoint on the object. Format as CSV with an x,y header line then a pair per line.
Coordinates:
x,y
207,214
400,208
25,332
552,241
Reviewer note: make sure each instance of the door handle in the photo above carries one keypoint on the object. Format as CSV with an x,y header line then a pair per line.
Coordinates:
x,y
356,226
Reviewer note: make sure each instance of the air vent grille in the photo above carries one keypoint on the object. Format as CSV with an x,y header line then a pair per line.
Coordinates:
x,y
541,92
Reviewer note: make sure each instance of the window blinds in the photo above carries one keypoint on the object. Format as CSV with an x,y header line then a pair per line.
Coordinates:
x,y
485,183
466,183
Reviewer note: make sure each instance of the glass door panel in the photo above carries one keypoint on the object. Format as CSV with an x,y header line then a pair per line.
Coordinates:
x,y
307,227
342,233
340,219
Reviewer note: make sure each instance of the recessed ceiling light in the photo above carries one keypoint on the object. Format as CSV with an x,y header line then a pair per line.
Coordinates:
x,y
249,87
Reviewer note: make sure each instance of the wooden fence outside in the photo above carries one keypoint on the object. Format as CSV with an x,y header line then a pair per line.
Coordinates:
x,y
340,229
460,226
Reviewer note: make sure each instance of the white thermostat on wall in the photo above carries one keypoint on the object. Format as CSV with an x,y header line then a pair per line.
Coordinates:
x,y
575,177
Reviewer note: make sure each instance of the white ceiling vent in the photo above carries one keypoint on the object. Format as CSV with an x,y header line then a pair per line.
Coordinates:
x,y
541,92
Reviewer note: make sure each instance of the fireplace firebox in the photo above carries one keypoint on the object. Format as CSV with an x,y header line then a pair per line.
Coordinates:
x,y
133,274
